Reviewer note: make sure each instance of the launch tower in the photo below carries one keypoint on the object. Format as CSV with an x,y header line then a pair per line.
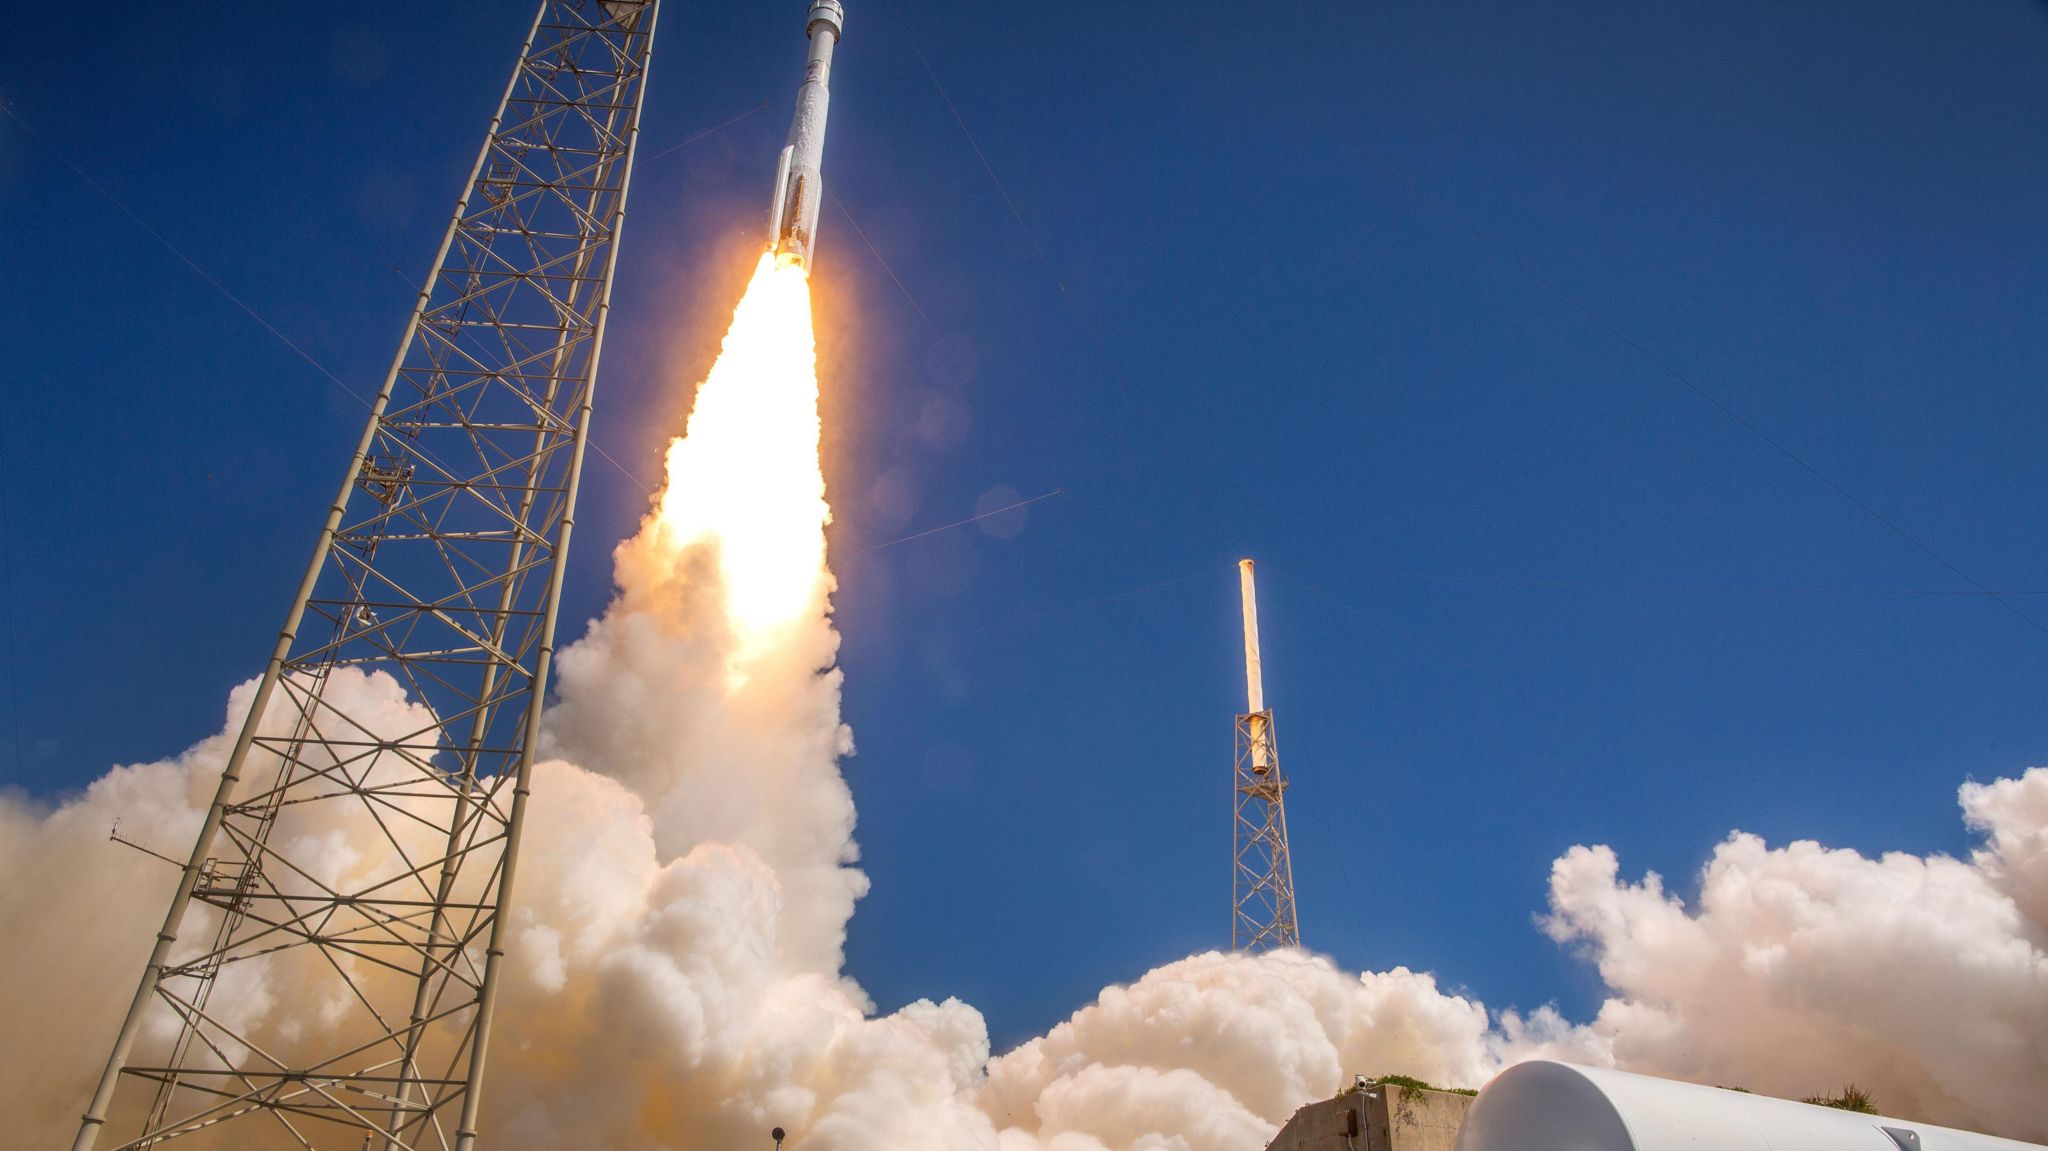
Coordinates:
x,y
1262,872
361,848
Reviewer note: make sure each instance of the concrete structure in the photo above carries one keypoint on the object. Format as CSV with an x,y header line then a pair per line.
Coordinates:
x,y
1545,1106
1377,1117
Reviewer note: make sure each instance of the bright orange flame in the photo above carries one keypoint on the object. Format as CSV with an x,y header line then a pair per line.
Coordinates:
x,y
745,475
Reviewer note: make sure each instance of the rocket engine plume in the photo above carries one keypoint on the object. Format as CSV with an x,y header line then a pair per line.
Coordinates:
x,y
745,474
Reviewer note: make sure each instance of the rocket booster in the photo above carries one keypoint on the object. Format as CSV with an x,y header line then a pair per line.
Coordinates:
x,y
799,186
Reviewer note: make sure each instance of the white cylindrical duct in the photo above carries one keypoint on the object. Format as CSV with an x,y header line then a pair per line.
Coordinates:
x,y
1546,1106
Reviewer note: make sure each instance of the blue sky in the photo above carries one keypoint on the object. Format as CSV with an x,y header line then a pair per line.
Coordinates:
x,y
1402,299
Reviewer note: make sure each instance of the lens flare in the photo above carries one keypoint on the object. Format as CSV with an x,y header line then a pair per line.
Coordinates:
x,y
745,476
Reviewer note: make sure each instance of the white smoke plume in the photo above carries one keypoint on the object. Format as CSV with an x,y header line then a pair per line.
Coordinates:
x,y
1922,979
675,978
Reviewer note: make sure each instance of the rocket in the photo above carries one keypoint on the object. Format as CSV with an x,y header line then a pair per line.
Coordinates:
x,y
799,186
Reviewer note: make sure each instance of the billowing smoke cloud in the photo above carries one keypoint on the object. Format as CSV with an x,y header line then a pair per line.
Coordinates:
x,y
1923,979
1217,1050
675,979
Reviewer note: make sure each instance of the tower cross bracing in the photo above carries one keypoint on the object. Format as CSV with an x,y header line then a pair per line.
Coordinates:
x,y
1262,871
361,846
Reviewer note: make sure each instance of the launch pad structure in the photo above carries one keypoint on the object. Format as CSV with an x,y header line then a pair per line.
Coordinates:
x,y
438,570
1262,869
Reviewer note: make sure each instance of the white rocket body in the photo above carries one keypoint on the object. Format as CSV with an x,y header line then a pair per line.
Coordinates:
x,y
799,182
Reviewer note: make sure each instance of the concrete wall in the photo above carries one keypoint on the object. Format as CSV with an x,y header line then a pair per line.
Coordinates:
x,y
1377,1118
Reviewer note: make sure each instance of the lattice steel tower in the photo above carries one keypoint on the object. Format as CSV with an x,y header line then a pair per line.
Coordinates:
x,y
358,851
1262,872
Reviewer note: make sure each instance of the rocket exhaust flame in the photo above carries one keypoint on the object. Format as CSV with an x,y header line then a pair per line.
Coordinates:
x,y
745,475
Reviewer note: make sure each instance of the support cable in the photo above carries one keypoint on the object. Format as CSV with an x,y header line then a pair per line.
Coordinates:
x,y
877,253
1030,234
990,514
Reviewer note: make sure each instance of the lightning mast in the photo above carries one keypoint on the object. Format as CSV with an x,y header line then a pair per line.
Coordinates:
x,y
360,849
1262,873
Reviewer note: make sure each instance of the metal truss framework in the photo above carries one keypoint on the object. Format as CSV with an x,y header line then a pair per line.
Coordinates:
x,y
360,849
1262,886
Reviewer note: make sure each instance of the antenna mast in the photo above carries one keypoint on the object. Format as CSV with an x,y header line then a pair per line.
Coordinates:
x,y
1262,872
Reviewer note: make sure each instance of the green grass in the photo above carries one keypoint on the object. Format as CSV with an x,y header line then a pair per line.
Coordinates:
x,y
1410,1083
1852,1098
